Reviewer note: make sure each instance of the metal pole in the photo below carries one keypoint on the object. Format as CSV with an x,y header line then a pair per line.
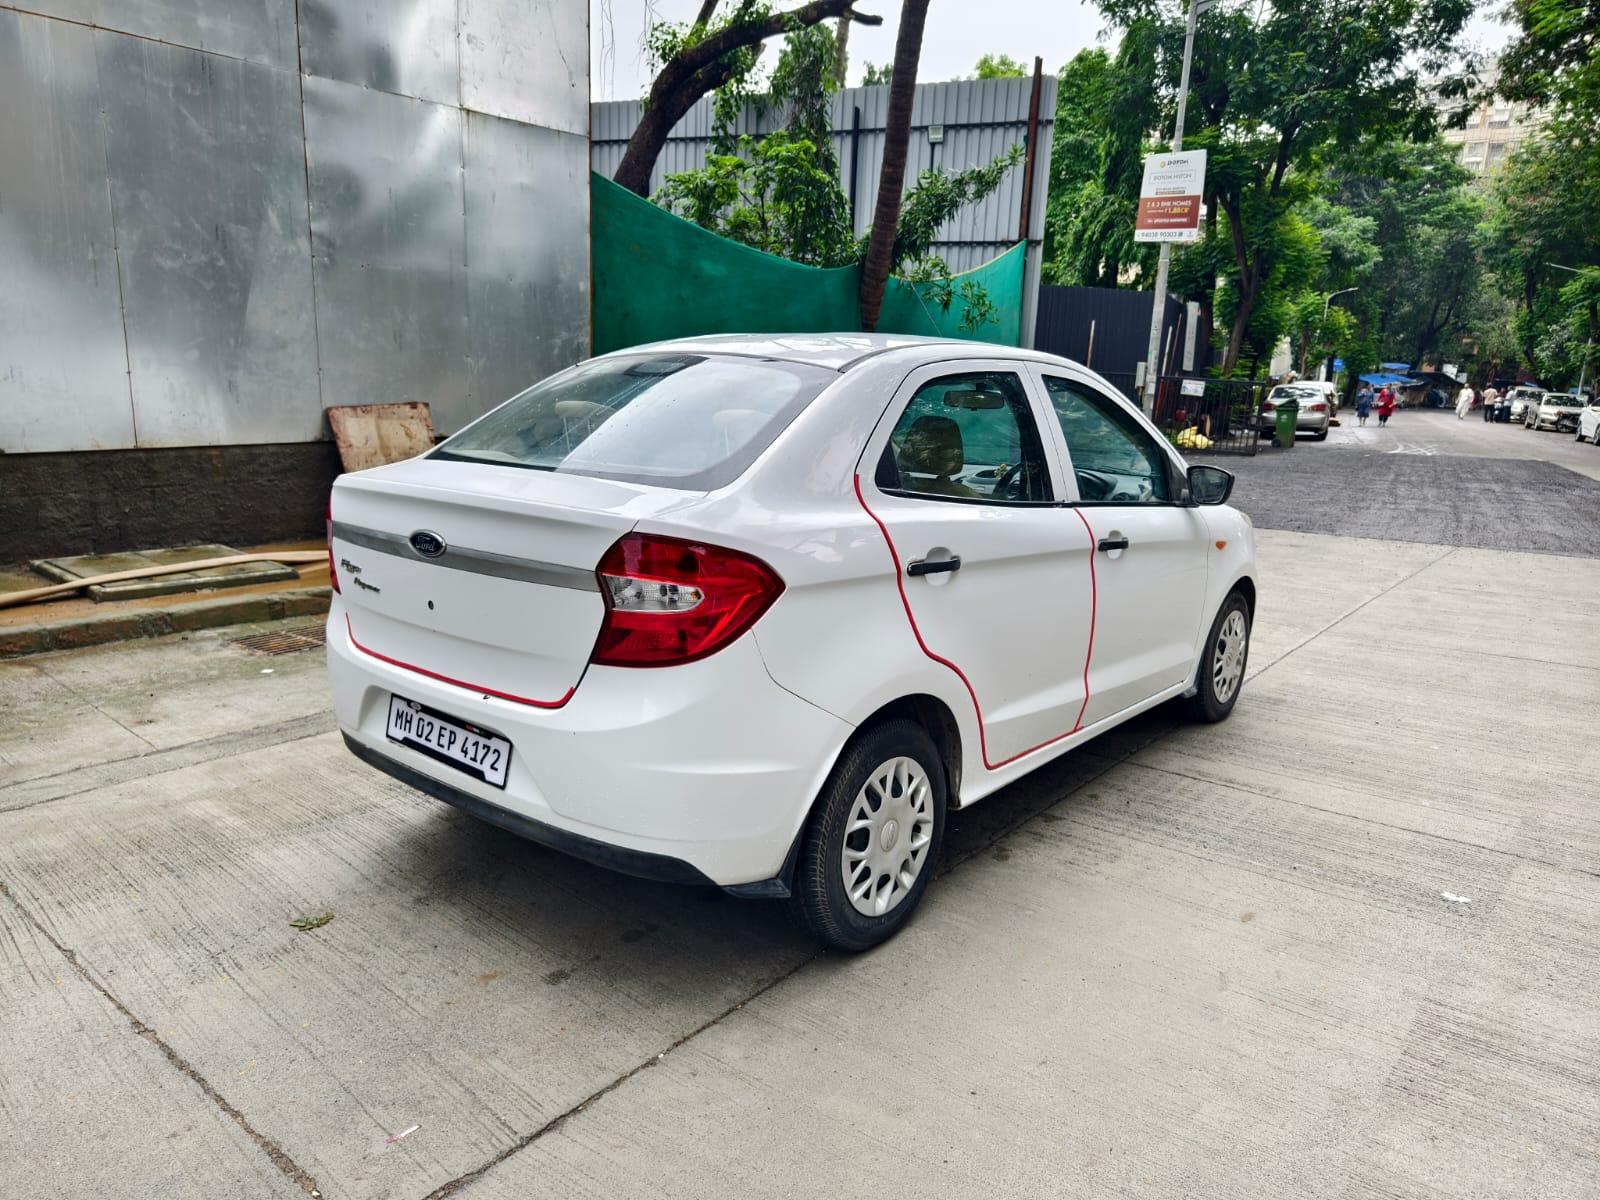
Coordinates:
x,y
1030,277
1588,347
855,159
1322,367
1025,221
1158,305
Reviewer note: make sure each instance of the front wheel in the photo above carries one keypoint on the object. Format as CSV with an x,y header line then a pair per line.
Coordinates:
x,y
873,839
1222,662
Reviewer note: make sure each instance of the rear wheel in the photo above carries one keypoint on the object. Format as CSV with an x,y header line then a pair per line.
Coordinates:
x,y
1222,662
873,839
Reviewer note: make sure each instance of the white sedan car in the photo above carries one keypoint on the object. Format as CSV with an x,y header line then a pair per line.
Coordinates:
x,y
759,611
1554,410
1589,423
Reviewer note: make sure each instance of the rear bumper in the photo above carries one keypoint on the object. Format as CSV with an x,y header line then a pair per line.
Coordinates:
x,y
1304,423
629,862
702,773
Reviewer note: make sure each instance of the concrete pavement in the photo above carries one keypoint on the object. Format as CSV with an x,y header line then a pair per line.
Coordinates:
x,y
1185,961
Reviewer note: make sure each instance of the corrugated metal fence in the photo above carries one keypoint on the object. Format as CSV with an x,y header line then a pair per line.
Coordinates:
x,y
956,125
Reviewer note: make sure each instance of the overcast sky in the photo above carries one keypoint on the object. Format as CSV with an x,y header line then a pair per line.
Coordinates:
x,y
958,32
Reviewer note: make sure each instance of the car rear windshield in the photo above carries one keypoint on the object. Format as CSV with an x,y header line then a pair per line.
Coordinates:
x,y
676,420
1564,401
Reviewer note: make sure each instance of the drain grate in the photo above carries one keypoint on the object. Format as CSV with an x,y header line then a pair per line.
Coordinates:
x,y
283,641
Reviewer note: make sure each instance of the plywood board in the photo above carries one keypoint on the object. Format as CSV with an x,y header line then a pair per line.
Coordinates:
x,y
370,435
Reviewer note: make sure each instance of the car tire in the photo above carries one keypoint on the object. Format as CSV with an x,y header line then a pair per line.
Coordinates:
x,y
897,751
1217,689
1321,437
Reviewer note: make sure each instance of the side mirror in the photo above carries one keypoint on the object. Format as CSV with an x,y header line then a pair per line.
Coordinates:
x,y
1210,485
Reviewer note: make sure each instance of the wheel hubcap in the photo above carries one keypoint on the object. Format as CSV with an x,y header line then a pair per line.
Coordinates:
x,y
887,837
1227,662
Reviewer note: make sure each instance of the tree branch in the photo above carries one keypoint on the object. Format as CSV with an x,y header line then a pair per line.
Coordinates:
x,y
704,66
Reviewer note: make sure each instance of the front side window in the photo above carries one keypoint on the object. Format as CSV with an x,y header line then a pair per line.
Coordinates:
x,y
675,420
1115,459
967,437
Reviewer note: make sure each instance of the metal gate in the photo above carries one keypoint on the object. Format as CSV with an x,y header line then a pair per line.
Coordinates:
x,y
1218,416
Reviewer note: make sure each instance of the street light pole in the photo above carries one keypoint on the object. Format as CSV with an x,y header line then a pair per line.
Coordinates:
x,y
1588,347
1322,367
1158,302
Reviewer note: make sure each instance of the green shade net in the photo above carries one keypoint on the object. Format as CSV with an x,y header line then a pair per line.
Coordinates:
x,y
657,276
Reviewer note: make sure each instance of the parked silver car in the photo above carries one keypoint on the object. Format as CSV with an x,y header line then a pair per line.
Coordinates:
x,y
1316,411
1519,397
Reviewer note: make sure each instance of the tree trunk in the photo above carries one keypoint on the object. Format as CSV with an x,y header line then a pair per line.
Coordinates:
x,y
1249,290
892,178
703,67
841,51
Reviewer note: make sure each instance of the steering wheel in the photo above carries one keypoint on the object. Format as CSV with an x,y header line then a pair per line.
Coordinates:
x,y
1007,480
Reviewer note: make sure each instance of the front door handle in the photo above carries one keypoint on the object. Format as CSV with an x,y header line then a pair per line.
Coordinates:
x,y
925,566
1116,543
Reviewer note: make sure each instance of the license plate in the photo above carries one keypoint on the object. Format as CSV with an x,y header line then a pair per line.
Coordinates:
x,y
474,751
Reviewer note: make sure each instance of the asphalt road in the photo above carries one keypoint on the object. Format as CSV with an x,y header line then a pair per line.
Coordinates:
x,y
1346,945
1428,477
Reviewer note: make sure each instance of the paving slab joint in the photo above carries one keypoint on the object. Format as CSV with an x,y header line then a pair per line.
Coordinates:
x,y
292,1170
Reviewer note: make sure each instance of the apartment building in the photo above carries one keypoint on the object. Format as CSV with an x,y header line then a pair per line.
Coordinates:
x,y
1494,130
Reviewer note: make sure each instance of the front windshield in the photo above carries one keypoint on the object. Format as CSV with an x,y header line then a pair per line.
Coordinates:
x,y
677,420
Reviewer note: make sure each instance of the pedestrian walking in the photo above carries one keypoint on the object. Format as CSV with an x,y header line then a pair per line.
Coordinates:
x,y
1491,397
1364,402
1464,399
1386,404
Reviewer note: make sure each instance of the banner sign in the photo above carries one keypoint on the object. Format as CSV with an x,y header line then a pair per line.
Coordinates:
x,y
1169,200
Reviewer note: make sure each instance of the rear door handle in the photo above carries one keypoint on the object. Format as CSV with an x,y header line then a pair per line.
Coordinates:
x,y
924,566
1116,543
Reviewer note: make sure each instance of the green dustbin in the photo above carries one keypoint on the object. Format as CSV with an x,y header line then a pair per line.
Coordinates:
x,y
1286,415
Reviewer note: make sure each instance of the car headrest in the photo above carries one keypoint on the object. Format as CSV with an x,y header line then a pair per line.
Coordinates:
x,y
933,447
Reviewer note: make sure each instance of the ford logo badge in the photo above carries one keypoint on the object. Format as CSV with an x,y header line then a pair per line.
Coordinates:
x,y
427,543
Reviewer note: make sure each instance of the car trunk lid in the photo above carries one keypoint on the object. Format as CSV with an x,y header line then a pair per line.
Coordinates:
x,y
505,601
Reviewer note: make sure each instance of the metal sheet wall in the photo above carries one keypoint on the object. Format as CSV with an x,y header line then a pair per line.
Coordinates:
x,y
981,120
256,30
63,365
208,191
389,245
527,296
202,246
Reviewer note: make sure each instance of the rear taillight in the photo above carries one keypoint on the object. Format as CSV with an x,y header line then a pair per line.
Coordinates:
x,y
1318,407
333,574
1268,405
672,601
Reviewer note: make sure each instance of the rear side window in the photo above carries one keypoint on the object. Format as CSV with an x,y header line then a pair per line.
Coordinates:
x,y
676,420
967,437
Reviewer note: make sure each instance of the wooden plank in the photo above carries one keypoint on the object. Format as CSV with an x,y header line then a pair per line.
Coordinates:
x,y
370,435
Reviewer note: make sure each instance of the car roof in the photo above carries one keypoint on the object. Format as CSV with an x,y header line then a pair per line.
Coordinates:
x,y
838,351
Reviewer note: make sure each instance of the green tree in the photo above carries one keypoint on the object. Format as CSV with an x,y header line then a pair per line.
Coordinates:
x,y
1426,229
699,57
1104,110
873,75
780,192
1273,87
999,66
1544,214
